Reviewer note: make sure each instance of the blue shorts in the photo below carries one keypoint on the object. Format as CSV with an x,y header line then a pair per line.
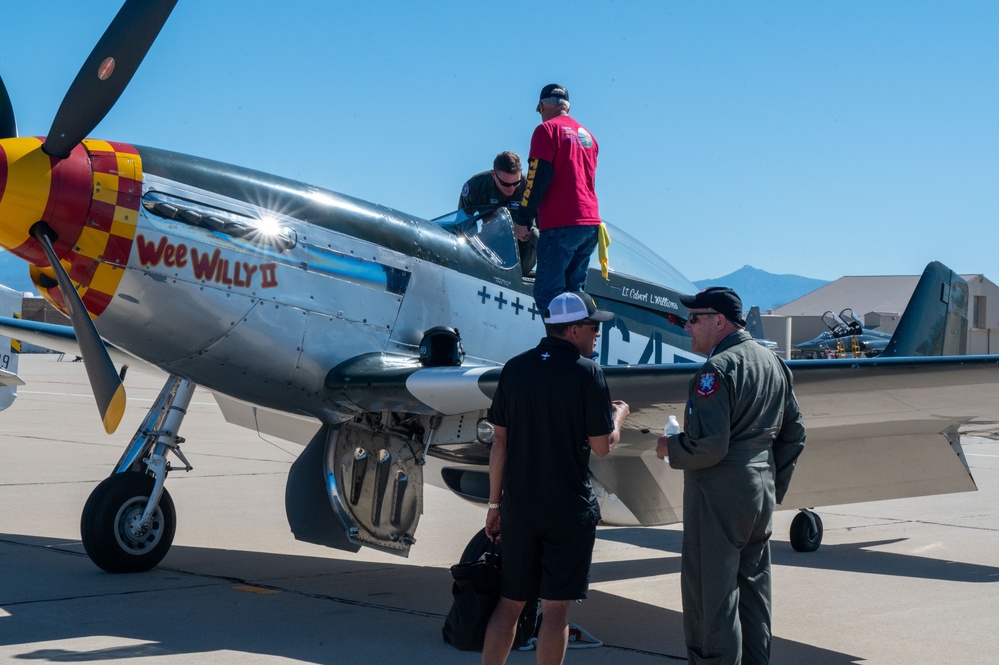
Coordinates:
x,y
552,563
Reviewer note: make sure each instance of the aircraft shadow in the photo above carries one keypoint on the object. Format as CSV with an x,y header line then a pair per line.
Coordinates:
x,y
847,557
859,558
202,601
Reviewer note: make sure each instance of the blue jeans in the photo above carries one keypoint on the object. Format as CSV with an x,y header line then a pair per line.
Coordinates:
x,y
563,260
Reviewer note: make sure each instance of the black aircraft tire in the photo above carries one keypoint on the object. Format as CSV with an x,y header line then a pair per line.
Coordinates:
x,y
476,547
103,525
803,537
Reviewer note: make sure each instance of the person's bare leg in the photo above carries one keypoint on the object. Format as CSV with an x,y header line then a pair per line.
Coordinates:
x,y
501,631
553,636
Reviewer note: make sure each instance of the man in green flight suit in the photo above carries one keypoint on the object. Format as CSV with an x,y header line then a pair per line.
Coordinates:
x,y
502,186
742,435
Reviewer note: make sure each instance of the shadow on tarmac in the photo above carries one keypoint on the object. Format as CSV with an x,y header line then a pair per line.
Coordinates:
x,y
847,557
312,609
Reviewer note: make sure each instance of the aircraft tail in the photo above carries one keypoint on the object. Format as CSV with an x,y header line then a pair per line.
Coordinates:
x,y
935,322
754,323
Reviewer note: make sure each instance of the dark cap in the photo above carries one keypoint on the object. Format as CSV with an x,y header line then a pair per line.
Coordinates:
x,y
574,306
719,298
554,90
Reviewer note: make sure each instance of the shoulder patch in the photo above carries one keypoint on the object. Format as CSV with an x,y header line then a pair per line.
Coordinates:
x,y
707,383
464,190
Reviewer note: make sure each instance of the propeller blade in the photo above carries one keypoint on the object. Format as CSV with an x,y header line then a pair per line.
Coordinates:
x,y
8,127
104,380
106,72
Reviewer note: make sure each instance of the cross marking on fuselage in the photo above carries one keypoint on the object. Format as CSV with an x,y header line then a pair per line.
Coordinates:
x,y
515,304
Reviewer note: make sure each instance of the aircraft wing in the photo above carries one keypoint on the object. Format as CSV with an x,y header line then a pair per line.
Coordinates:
x,y
878,428
61,338
267,422
48,335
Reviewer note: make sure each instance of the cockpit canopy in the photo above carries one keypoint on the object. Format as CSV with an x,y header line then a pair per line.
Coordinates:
x,y
489,231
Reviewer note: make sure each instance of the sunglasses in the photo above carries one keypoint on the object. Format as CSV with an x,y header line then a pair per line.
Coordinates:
x,y
588,324
507,184
693,316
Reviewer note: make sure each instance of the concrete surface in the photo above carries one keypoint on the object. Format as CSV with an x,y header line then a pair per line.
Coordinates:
x,y
914,581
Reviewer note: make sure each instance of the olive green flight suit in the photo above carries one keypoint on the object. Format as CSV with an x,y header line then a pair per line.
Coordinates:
x,y
480,191
742,435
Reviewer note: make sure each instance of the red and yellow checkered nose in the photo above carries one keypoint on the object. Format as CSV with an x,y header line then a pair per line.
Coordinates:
x,y
90,200
36,187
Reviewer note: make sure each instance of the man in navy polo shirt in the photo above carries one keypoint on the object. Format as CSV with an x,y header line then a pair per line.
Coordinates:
x,y
551,408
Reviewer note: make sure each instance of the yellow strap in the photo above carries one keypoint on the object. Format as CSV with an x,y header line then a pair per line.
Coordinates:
x,y
603,242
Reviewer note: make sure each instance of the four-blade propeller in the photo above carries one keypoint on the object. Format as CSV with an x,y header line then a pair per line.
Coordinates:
x,y
104,380
98,85
106,72
8,127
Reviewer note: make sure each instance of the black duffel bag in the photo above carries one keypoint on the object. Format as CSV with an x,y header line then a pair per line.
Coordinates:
x,y
475,591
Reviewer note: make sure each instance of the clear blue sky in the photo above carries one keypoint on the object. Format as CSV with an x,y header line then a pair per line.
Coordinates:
x,y
815,138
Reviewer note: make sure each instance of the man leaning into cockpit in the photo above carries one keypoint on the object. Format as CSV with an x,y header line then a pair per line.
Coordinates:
x,y
502,186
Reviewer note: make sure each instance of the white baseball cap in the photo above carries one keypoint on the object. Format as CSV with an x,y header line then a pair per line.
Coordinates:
x,y
574,306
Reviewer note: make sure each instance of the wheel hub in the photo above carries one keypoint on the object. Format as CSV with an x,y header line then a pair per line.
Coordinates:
x,y
131,533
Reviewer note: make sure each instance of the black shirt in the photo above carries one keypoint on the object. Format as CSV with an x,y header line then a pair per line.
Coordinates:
x,y
550,400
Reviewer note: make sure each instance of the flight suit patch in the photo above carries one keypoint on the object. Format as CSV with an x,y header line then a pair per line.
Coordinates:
x,y
707,383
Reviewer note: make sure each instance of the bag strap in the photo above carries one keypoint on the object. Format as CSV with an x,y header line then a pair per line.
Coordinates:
x,y
493,553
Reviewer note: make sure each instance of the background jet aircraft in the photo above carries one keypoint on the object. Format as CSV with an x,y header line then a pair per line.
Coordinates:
x,y
754,326
846,336
335,322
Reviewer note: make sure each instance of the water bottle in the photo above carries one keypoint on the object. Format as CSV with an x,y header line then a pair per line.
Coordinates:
x,y
672,427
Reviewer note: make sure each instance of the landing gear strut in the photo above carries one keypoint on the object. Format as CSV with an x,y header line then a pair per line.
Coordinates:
x,y
128,523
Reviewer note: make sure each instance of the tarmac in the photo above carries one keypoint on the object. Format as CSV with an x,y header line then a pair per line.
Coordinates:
x,y
909,581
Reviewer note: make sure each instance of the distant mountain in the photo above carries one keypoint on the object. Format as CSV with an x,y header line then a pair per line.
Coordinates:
x,y
14,273
758,287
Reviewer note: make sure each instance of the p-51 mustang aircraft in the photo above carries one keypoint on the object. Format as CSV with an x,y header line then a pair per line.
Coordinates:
x,y
196,268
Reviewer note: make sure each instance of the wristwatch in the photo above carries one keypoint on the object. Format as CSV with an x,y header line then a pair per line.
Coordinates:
x,y
494,506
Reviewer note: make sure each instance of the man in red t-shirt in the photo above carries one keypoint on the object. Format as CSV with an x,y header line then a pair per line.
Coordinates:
x,y
560,191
